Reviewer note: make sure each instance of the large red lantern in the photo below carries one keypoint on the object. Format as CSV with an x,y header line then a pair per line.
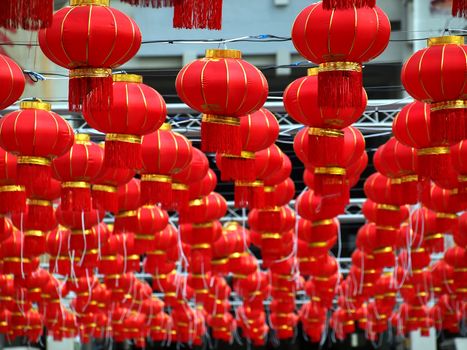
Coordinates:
x,y
36,135
90,38
77,169
26,14
12,78
164,153
223,87
259,130
136,110
435,75
340,41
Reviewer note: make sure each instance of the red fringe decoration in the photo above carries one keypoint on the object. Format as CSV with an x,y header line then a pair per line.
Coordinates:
x,y
76,199
221,138
201,14
410,192
238,168
340,88
125,224
345,4
81,86
26,14
29,174
269,219
330,185
180,199
155,192
433,166
447,126
105,200
126,155
150,3
42,217
459,8
191,213
251,197
325,150
13,201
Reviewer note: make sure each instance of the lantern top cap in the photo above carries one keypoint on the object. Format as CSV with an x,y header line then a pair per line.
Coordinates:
x,y
223,53
231,226
82,138
446,40
89,2
165,127
128,78
38,104
312,71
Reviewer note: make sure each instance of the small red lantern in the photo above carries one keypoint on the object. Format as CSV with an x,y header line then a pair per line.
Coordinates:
x,y
340,41
84,38
36,135
77,169
151,220
223,87
164,153
128,202
11,76
136,110
12,195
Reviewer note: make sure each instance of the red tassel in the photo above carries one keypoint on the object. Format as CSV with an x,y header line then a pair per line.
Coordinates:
x,y
76,198
123,153
328,184
180,197
41,215
150,3
238,168
194,210
201,14
340,85
12,199
433,162
34,170
94,84
156,189
459,8
447,125
249,195
29,15
410,190
125,222
345,4
221,135
34,243
105,198
325,146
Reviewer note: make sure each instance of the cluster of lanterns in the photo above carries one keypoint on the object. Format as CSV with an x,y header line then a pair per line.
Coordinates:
x,y
58,190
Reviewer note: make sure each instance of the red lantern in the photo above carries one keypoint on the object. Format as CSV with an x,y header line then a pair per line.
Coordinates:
x,y
459,153
223,87
128,202
84,39
315,208
136,110
11,75
164,153
76,170
436,75
259,130
151,220
36,135
340,41
12,195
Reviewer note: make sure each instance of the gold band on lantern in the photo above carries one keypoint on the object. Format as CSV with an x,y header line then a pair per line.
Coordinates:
x,y
311,72
203,225
318,244
127,214
17,260
325,132
231,226
462,178
409,178
243,154
440,215
325,222
239,276
223,53
104,188
383,250
461,269
156,178
179,186
34,233
81,232
330,171
34,160
82,139
220,261
269,189
124,138
127,78
133,257
216,119
166,127
109,258
90,72
433,236
456,104
257,183
44,106
196,202
76,184
271,236
12,188
446,40
431,151
340,66
145,237
386,228
201,246
388,207
156,252
39,202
